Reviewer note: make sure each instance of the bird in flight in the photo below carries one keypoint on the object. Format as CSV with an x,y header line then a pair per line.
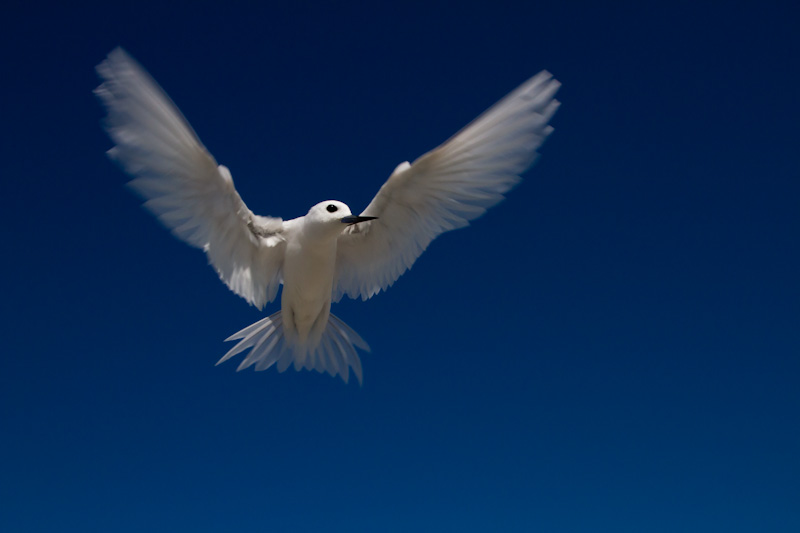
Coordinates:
x,y
328,252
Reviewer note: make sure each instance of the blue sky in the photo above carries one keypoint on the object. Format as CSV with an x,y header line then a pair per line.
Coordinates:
x,y
613,348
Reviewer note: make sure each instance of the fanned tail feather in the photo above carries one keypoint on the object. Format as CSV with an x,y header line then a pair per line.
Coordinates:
x,y
335,354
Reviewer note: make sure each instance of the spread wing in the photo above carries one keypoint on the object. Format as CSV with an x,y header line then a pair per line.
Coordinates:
x,y
182,183
445,189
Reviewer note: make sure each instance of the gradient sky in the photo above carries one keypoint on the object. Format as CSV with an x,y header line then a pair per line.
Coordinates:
x,y
616,347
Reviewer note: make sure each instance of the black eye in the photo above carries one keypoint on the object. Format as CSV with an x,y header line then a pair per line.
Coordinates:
x,y
332,208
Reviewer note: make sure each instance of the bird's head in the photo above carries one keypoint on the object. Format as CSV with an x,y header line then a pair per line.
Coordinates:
x,y
333,216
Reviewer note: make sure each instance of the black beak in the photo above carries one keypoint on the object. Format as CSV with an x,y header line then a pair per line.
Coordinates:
x,y
355,220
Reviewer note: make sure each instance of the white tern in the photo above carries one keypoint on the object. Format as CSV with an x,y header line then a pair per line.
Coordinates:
x,y
329,252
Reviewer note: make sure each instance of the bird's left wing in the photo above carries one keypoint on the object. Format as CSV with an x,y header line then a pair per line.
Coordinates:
x,y
444,189
183,185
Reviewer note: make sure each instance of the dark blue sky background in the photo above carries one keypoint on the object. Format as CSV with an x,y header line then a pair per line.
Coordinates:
x,y
613,348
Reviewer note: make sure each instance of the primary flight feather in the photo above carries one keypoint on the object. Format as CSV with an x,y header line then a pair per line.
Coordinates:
x,y
327,253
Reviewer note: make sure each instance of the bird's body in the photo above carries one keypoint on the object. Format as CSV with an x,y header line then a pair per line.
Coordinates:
x,y
309,264
307,287
327,253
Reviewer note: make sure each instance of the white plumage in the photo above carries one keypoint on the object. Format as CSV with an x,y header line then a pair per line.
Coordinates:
x,y
316,257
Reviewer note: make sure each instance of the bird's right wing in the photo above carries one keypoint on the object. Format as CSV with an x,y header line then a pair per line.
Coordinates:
x,y
444,189
183,185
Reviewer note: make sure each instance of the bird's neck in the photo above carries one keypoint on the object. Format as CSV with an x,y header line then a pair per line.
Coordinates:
x,y
320,235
